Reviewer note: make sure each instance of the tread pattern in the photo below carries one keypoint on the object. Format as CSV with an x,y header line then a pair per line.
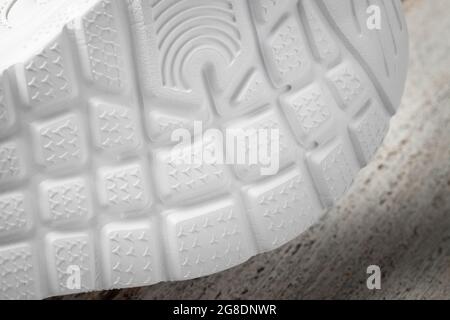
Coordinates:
x,y
309,112
46,77
66,201
124,188
12,167
103,51
66,251
131,252
7,115
14,214
274,206
182,181
182,27
89,130
60,143
18,276
115,128
268,121
208,240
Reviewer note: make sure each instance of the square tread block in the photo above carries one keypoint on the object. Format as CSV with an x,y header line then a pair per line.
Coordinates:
x,y
124,189
130,254
71,264
282,208
60,143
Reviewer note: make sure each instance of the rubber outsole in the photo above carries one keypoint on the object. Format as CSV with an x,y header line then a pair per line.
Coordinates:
x,y
88,104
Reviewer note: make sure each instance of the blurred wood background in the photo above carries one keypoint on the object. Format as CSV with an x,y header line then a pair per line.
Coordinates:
x,y
397,215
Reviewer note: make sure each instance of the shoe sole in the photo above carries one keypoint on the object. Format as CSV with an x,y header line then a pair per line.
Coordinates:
x,y
90,95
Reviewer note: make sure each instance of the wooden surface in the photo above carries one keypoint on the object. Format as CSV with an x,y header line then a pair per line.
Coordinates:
x,y
397,215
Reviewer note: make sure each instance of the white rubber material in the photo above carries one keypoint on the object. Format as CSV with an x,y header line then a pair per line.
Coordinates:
x,y
90,91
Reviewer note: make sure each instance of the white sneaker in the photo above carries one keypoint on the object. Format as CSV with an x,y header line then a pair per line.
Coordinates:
x,y
92,90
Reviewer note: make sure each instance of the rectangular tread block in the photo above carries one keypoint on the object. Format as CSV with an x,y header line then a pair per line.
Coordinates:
x,y
267,10
251,93
130,255
333,168
183,174
282,208
12,162
7,114
326,46
124,189
287,54
160,125
71,265
60,143
208,239
368,131
15,214
19,279
100,47
66,201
